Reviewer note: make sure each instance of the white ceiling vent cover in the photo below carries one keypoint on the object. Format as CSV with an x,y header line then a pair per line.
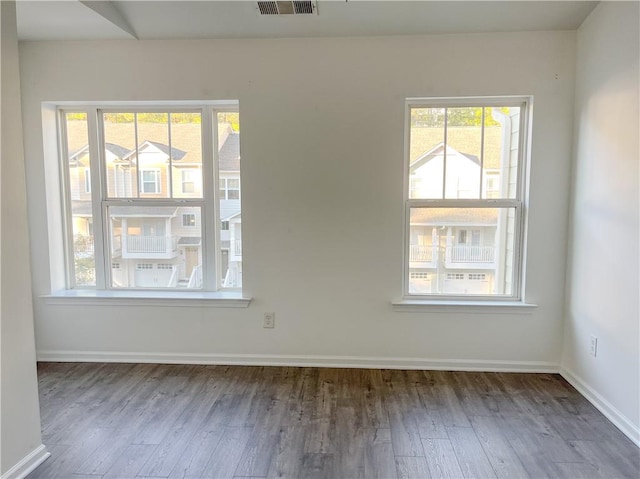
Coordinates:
x,y
288,8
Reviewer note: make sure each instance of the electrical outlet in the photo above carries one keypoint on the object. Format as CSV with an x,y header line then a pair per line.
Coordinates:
x,y
269,320
593,347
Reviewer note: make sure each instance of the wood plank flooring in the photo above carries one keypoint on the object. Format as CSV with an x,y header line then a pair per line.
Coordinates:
x,y
123,421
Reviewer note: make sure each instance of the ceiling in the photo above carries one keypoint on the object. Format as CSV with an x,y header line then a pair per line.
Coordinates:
x,y
82,20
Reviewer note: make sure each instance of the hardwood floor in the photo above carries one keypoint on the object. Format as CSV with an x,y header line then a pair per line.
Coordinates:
x,y
180,421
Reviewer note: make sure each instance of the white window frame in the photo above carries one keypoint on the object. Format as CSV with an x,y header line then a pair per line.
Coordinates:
x,y
157,176
517,294
184,215
190,174
227,188
209,203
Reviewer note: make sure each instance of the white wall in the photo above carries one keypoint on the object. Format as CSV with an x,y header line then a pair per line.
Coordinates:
x,y
603,284
322,155
20,413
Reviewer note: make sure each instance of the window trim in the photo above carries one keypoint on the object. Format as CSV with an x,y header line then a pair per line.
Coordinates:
x,y
519,203
157,182
100,201
189,225
190,171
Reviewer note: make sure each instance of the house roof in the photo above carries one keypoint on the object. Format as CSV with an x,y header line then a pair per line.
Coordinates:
x,y
81,208
465,139
143,211
189,240
186,141
176,154
454,216
229,155
437,151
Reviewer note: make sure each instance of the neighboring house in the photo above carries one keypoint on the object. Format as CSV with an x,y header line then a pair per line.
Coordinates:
x,y
458,250
159,246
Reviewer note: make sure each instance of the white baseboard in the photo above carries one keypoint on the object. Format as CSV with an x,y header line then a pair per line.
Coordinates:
x,y
605,407
301,361
28,463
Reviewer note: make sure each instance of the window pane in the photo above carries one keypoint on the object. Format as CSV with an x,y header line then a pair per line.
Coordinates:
x,y
120,155
450,249
426,153
155,247
229,173
463,153
79,181
501,152
186,142
155,154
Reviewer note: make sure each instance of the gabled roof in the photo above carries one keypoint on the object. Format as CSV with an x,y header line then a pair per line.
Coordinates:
x,y
176,154
116,150
437,151
462,138
186,141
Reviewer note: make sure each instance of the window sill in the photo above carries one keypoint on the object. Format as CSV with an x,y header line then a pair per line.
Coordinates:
x,y
217,299
475,307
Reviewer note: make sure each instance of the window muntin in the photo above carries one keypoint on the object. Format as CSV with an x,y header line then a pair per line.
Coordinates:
x,y
149,181
135,160
188,220
465,197
230,188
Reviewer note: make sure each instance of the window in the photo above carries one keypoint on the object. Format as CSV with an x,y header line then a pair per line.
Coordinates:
x,y
188,181
151,202
188,220
477,276
225,226
419,275
465,193
150,181
229,188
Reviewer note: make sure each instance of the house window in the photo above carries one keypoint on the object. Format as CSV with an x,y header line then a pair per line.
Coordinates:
x,y
457,149
225,226
188,181
151,161
419,275
188,220
477,276
150,181
229,188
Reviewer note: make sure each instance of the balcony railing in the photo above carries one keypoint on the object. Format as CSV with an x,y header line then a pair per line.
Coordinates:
x,y
459,254
151,244
422,253
83,244
471,254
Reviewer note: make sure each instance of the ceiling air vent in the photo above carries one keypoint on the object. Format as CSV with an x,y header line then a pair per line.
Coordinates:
x,y
287,8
